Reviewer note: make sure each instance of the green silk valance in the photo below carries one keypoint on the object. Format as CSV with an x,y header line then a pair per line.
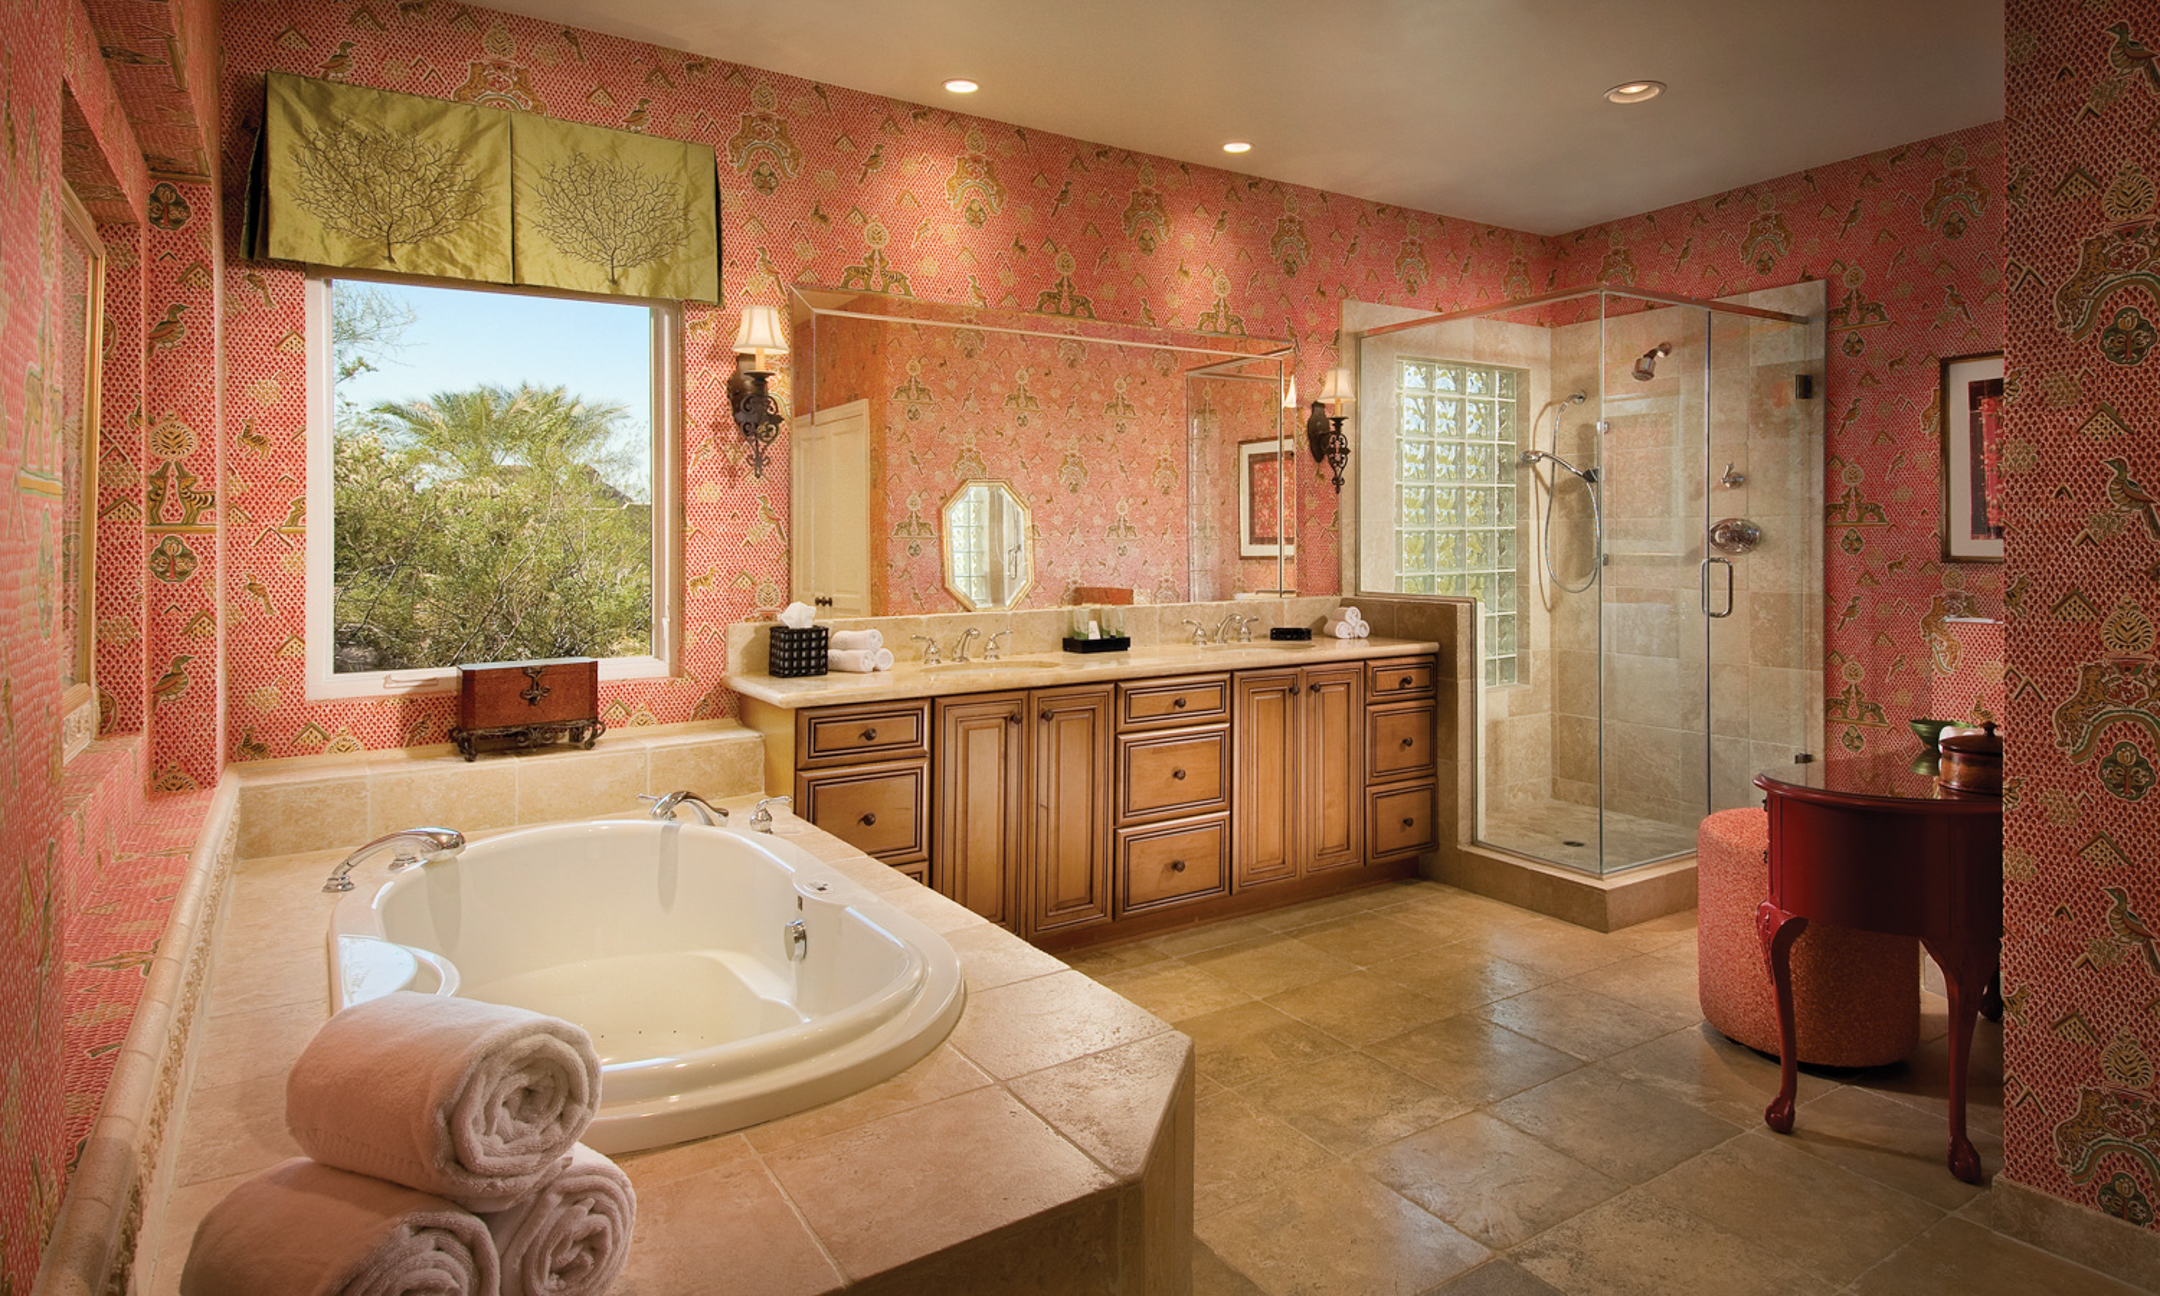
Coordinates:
x,y
369,179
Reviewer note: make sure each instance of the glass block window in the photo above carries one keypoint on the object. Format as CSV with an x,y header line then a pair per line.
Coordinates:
x,y
968,521
1455,452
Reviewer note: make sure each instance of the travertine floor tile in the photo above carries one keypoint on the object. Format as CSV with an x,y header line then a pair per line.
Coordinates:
x,y
1576,1021
1654,985
1350,1102
1704,1069
1891,1142
1635,1245
1958,1256
1460,976
1239,1045
1496,1278
1338,1233
1175,990
1622,1129
1269,966
1474,1059
1488,1179
1830,1222
1363,939
1360,1008
1240,1153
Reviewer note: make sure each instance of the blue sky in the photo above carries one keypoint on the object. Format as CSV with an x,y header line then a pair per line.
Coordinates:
x,y
462,338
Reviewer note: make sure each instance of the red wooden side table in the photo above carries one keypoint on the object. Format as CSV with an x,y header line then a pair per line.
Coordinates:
x,y
1872,844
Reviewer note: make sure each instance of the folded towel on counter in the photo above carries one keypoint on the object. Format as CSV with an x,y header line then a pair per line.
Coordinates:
x,y
472,1101
1350,613
861,661
1364,631
304,1229
797,616
572,1236
1338,630
855,640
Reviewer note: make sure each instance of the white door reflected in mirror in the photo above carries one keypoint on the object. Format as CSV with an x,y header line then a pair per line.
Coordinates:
x,y
989,553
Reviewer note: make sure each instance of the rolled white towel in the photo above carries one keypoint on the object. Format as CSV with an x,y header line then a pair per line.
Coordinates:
x,y
797,616
471,1101
571,1237
859,662
1339,630
1349,612
1364,631
855,640
884,659
302,1228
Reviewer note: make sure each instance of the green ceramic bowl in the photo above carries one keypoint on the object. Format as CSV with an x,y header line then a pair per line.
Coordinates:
x,y
1930,731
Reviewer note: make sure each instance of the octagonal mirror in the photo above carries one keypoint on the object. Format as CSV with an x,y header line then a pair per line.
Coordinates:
x,y
989,553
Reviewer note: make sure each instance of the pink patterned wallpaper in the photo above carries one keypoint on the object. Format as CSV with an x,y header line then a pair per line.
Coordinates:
x,y
820,186
2081,971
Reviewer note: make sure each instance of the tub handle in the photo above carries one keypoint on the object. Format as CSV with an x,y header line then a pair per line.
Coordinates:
x,y
797,939
869,819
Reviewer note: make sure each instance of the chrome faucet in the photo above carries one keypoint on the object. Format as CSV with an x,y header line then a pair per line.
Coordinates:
x,y
1199,633
990,650
959,652
1233,622
761,819
412,846
708,813
929,649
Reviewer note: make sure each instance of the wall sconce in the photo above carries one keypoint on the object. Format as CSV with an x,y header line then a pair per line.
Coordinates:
x,y
757,411
1323,430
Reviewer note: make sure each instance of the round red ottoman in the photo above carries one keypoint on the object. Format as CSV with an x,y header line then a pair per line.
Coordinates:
x,y
1856,995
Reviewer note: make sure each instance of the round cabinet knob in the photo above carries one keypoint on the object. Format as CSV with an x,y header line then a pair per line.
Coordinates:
x,y
1013,719
1179,775
1177,866
870,734
1178,703
1045,716
1293,690
868,820
1409,822
1405,682
1408,743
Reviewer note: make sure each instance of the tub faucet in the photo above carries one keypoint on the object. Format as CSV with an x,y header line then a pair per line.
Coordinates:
x,y
761,818
412,846
959,652
664,807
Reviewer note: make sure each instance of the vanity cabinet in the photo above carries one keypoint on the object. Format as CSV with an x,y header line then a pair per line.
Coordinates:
x,y
1078,813
1300,763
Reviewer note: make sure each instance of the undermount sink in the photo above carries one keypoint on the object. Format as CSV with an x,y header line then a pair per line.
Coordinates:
x,y
943,667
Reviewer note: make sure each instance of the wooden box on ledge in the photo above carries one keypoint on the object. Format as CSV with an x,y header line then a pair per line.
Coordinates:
x,y
525,704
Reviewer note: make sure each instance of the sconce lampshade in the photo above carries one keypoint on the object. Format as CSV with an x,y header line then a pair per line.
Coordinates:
x,y
761,331
1289,399
1339,389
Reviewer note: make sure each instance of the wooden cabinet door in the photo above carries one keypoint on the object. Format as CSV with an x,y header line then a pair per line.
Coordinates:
x,y
1069,866
1265,811
981,822
881,810
1331,767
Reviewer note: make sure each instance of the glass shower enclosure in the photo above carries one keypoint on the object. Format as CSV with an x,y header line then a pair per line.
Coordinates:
x,y
1629,485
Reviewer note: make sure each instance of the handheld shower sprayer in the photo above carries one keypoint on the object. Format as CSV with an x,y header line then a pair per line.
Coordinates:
x,y
1589,477
1646,364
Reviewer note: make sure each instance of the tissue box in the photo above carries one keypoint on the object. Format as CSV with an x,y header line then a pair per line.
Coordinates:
x,y
797,652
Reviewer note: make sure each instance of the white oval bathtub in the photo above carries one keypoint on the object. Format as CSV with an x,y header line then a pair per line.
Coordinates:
x,y
669,943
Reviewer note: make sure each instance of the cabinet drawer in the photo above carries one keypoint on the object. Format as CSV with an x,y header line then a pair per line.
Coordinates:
x,y
847,735
1172,863
1174,773
1402,820
1189,699
1399,741
1404,677
881,810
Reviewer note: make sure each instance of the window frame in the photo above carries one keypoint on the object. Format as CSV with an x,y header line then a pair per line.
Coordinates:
x,y
324,681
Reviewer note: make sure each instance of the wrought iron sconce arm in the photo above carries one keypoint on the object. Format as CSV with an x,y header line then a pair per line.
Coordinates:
x,y
756,412
1324,436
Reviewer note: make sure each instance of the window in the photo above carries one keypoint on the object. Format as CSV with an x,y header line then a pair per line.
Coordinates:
x,y
1455,456
490,478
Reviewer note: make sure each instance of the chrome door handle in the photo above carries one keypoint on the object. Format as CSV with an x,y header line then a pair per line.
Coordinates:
x,y
1704,574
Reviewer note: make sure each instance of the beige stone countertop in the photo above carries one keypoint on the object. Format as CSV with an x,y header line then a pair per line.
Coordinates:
x,y
912,679
1000,1162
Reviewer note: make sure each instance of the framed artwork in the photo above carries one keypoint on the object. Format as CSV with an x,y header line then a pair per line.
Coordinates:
x,y
1264,468
1972,388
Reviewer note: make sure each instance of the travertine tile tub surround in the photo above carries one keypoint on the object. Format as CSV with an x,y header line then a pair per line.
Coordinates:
x,y
1045,1147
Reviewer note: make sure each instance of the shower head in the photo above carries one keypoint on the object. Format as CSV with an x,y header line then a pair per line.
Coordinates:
x,y
1646,364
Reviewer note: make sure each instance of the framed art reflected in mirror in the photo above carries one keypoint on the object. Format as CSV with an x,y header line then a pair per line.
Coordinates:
x,y
68,544
1263,530
1971,399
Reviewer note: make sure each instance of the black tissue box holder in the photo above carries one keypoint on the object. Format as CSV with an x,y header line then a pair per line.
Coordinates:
x,y
1290,632
1107,643
797,652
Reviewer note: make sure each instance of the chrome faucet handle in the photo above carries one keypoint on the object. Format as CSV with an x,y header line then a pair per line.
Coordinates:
x,y
761,819
708,813
1199,633
929,649
1245,625
990,650
960,645
409,846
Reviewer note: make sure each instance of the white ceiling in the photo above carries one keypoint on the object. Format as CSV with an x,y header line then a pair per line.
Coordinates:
x,y
1488,110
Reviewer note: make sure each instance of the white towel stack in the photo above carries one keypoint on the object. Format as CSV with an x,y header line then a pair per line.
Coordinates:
x,y
860,661
1346,622
443,1156
855,640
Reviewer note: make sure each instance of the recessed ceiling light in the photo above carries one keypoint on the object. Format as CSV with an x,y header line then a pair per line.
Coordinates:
x,y
1237,146
1635,91
961,85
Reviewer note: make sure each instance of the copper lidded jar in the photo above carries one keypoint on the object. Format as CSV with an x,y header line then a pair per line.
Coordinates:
x,y
1973,762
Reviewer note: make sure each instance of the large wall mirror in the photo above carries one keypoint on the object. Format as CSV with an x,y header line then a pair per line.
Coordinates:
x,y
71,417
1004,460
